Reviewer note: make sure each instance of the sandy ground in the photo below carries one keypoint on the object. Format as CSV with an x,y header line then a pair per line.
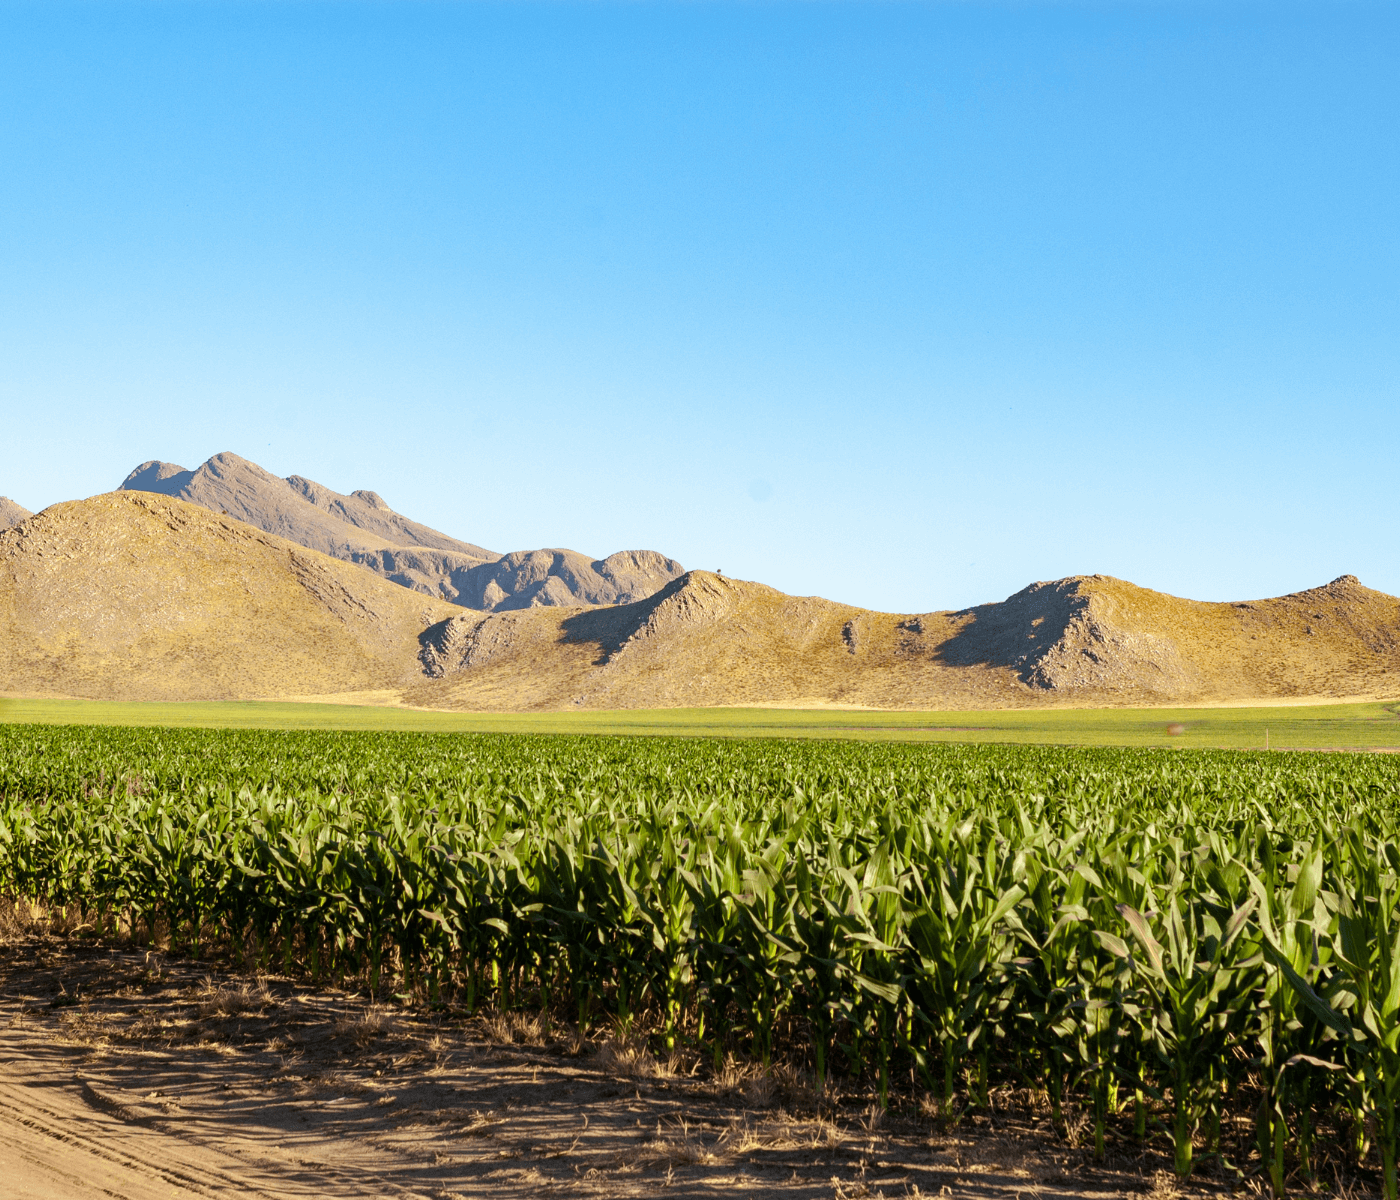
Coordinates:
x,y
127,1075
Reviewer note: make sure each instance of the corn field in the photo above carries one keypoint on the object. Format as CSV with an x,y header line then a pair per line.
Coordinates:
x,y
1170,941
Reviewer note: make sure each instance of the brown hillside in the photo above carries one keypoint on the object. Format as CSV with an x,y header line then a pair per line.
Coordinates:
x,y
139,596
142,597
11,514
708,640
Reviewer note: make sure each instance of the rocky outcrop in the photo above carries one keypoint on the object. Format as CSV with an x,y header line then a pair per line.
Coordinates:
x,y
459,643
1066,636
532,578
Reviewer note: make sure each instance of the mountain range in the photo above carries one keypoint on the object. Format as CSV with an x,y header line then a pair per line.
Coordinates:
x,y
137,595
361,528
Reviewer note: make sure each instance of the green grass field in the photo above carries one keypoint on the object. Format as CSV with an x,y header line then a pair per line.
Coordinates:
x,y
1332,726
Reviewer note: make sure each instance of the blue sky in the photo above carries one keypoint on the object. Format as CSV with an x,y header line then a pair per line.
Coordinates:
x,y
907,305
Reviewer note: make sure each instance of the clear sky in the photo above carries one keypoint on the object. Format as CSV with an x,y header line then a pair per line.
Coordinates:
x,y
907,305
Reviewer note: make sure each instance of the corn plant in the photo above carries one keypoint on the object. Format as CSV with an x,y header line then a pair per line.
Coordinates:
x,y
1360,1000
1190,978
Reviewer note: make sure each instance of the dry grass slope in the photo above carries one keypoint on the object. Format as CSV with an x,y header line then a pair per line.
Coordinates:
x,y
145,597
139,596
709,640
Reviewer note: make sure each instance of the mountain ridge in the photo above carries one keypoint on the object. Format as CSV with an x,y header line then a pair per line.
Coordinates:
x,y
133,595
361,528
1083,640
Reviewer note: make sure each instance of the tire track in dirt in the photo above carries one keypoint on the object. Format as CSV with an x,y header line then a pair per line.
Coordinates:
x,y
62,1137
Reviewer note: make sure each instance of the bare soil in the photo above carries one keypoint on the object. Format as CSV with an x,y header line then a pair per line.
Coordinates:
x,y
130,1074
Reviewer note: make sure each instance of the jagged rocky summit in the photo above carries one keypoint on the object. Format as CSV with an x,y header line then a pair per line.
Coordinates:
x,y
361,528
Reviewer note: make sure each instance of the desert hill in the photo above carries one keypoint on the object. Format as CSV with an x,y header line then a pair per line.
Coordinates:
x,y
137,596
133,595
361,528
11,514
709,640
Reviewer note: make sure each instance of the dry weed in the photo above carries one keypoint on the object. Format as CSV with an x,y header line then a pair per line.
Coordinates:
x,y
12,922
729,1080
481,1124
26,917
1078,1125
1348,1189
822,1134
148,1026
233,1002
335,1083
782,1132
628,1059
872,1120
1029,1100
81,1027
797,1087
853,1191
740,1138
678,1144
513,1028
364,1027
760,1088
442,1059
1163,1186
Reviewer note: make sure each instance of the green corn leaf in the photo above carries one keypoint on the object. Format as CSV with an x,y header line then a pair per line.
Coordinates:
x,y
1137,923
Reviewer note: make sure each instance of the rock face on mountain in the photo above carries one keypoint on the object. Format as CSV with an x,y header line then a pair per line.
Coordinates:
x,y
360,528
11,514
709,640
367,510
133,596
297,509
1068,635
533,578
